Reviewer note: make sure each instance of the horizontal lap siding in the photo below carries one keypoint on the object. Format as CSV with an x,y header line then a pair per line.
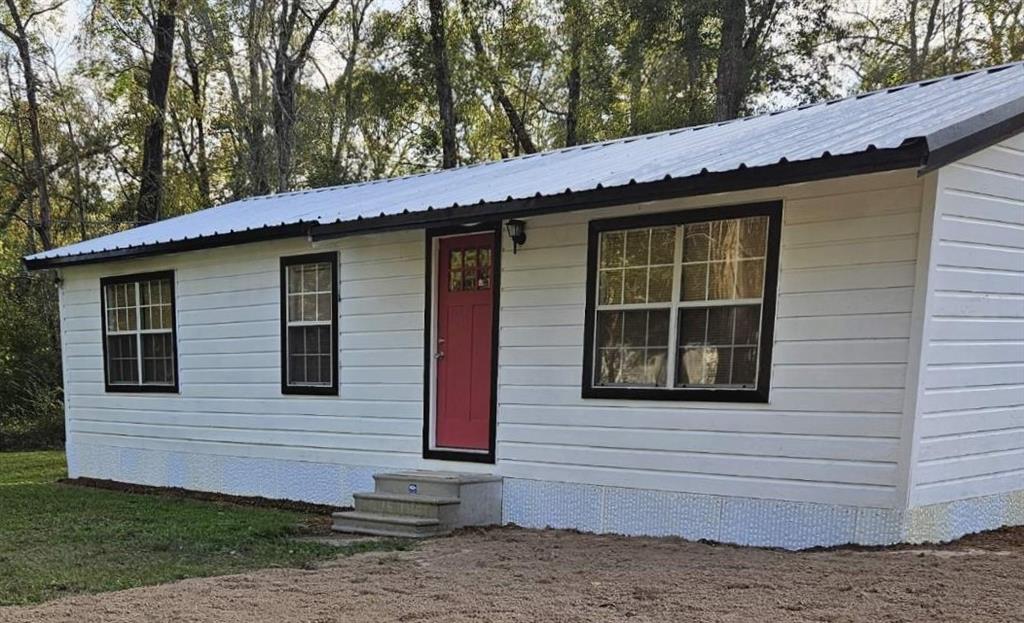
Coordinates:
x,y
228,316
832,430
971,428
830,434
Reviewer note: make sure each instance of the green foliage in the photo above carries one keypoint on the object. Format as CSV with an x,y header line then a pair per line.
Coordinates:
x,y
61,540
31,412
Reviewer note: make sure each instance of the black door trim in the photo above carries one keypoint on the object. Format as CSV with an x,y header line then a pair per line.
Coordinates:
x,y
428,325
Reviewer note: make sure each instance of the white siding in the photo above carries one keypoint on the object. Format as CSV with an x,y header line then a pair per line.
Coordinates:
x,y
971,425
228,316
832,432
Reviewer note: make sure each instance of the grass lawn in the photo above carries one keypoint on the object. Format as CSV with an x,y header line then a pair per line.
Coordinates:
x,y
57,540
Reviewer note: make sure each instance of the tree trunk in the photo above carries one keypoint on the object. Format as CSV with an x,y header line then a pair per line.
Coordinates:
x,y
151,185
693,19
255,163
731,87
573,81
196,86
286,73
20,39
443,84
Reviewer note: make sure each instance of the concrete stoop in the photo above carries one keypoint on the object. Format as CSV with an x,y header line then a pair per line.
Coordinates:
x,y
417,504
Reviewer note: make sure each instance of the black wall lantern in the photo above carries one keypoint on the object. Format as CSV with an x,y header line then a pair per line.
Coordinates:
x,y
516,232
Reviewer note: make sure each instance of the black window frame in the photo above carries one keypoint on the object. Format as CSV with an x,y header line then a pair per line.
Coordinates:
x,y
761,393
140,387
310,258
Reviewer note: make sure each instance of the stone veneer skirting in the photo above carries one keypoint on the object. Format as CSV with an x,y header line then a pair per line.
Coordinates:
x,y
589,508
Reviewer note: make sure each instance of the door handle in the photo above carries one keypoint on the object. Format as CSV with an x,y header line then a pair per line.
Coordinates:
x,y
439,355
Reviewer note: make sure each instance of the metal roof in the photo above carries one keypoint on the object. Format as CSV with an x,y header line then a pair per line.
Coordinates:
x,y
925,124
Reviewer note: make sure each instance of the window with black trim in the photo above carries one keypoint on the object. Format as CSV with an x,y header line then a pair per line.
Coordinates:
x,y
139,344
309,324
682,305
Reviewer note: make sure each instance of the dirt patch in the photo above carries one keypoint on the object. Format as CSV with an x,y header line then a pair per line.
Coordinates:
x,y
510,574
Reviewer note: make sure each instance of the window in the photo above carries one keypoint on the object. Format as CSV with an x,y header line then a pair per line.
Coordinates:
x,y
681,305
309,318
139,346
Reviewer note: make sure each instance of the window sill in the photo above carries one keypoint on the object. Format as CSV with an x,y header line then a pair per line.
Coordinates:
x,y
142,389
309,391
677,395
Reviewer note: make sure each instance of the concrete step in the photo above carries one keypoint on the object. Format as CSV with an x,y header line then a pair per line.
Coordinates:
x,y
387,525
443,509
424,482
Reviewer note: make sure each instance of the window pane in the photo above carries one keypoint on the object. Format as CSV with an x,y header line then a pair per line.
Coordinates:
x,y
748,324
455,281
610,287
323,307
609,329
744,366
660,285
157,358
754,236
309,272
611,249
637,247
717,346
720,325
663,245
695,282
696,242
323,278
693,324
455,260
635,285
735,280
295,278
308,347
631,348
308,307
122,359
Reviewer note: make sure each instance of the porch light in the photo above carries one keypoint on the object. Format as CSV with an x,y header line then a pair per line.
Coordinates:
x,y
516,232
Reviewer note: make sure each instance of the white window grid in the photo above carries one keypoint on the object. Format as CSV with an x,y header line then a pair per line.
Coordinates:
x,y
674,305
316,267
134,288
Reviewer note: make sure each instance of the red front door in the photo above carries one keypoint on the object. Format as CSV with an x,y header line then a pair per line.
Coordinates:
x,y
464,342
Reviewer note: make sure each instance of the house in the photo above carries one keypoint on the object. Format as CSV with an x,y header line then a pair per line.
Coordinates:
x,y
797,329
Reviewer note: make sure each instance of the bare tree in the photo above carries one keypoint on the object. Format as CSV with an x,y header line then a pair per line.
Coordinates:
x,y
288,65
18,34
443,84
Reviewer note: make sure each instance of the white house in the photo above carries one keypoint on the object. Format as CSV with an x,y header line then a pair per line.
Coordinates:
x,y
803,328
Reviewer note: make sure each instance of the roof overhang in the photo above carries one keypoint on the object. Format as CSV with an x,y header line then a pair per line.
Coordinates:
x,y
913,153
909,155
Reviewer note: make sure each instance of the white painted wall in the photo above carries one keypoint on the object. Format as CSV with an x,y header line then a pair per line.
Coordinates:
x,y
970,428
832,432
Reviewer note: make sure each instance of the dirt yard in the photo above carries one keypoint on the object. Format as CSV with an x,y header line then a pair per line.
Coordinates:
x,y
510,574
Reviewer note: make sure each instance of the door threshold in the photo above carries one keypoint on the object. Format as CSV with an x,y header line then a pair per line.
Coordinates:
x,y
455,454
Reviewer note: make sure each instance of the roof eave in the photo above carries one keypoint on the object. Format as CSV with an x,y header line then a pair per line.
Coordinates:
x,y
912,153
174,246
